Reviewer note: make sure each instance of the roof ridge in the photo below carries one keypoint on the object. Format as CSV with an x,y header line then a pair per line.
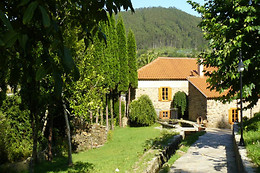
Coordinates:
x,y
168,67
162,57
198,89
157,59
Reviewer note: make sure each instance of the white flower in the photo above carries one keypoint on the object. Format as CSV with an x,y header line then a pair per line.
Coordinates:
x,y
117,170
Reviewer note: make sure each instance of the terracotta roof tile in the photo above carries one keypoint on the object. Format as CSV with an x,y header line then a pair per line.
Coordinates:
x,y
201,84
168,68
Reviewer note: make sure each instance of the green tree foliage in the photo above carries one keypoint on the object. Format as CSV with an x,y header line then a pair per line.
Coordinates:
x,y
27,26
232,27
123,83
87,93
131,50
164,27
180,101
123,59
112,53
113,65
133,76
142,112
15,131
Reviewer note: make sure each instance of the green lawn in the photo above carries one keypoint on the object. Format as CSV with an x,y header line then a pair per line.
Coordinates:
x,y
122,151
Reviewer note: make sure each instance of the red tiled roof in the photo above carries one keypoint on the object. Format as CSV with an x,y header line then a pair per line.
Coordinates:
x,y
201,84
168,68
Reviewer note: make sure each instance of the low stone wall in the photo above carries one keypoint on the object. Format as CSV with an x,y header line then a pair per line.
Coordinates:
x,y
244,164
92,136
156,163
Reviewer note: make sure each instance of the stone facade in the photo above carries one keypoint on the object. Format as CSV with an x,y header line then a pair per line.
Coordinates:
x,y
218,113
151,88
197,104
215,112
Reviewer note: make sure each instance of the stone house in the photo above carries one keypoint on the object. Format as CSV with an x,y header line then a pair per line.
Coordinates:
x,y
162,78
203,104
165,76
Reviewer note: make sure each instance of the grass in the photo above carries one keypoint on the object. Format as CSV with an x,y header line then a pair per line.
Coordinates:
x,y
161,141
252,139
122,151
184,146
153,147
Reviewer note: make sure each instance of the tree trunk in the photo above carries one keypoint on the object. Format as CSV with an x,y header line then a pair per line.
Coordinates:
x,y
50,156
101,116
45,119
35,141
112,112
91,117
128,102
120,115
107,125
68,135
97,116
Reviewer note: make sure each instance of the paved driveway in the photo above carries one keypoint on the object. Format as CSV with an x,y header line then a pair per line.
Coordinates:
x,y
212,152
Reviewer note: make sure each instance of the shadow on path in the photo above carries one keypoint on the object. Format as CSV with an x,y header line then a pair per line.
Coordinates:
x,y
212,152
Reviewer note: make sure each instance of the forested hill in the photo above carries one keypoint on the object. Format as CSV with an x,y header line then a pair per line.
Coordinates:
x,y
159,27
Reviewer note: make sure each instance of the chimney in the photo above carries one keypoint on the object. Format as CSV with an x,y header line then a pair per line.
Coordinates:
x,y
200,68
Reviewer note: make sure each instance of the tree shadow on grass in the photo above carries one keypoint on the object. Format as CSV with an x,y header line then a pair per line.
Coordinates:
x,y
60,164
159,142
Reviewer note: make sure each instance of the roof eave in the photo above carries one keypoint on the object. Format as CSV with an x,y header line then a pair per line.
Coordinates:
x,y
162,78
198,89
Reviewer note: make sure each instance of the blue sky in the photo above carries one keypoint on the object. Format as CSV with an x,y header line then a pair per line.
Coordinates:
x,y
179,4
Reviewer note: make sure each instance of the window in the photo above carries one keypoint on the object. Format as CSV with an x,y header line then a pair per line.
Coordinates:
x,y
165,94
233,115
165,115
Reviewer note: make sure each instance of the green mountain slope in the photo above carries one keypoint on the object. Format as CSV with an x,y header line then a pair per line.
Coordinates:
x,y
164,27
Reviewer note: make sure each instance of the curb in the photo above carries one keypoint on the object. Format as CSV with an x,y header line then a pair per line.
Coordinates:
x,y
243,163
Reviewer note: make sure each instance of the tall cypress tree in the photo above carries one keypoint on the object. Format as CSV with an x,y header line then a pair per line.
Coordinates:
x,y
111,52
123,60
133,79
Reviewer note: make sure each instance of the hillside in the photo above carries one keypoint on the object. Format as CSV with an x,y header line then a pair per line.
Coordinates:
x,y
164,27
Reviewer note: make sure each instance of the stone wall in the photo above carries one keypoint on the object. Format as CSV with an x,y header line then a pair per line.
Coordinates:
x,y
92,136
197,104
217,113
151,88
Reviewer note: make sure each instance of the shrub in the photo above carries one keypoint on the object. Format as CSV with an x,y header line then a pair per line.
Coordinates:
x,y
252,138
142,112
252,124
15,131
180,102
